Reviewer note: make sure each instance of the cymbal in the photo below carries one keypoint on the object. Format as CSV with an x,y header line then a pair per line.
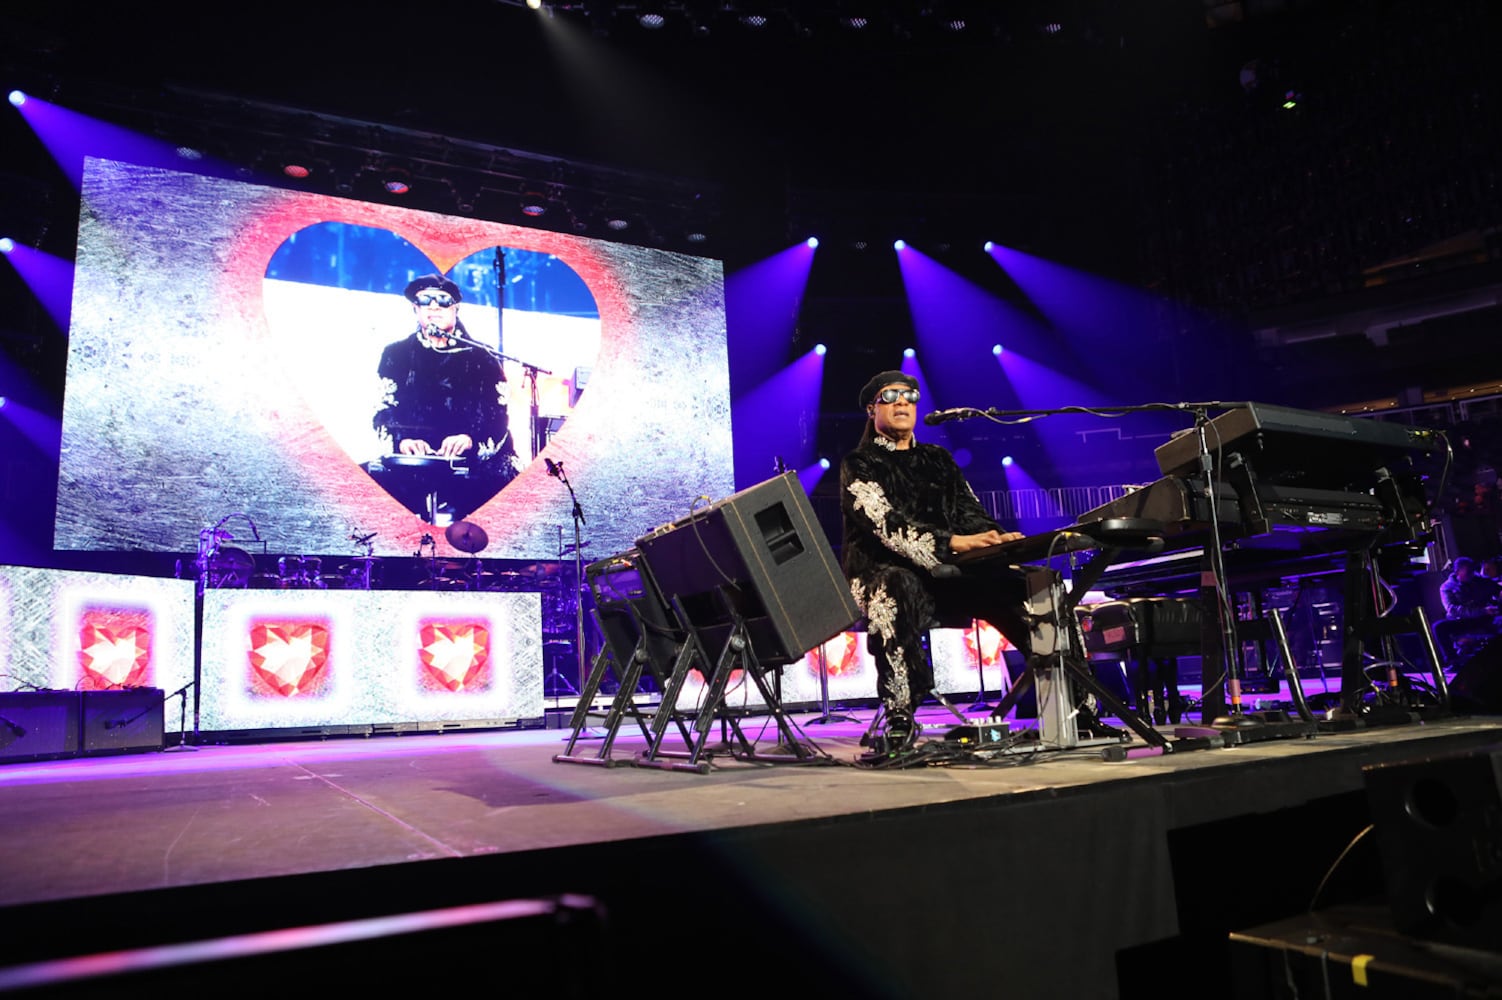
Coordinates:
x,y
466,536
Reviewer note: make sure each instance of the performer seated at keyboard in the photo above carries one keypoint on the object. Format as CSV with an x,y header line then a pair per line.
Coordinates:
x,y
1471,610
447,398
907,509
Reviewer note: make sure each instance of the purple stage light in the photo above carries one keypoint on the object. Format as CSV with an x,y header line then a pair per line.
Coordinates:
x,y
70,137
909,353
7,244
900,245
1006,460
820,350
762,302
49,278
996,350
2,402
776,417
812,242
989,246
823,462
17,98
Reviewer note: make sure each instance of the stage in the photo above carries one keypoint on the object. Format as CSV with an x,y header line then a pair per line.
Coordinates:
x,y
1051,874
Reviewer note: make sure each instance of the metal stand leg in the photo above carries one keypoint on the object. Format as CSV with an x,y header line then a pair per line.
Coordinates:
x,y
824,714
981,705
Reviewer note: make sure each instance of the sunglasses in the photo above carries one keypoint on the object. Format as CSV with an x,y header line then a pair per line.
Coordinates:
x,y
440,299
893,395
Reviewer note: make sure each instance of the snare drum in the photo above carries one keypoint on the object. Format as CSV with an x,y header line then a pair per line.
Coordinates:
x,y
230,567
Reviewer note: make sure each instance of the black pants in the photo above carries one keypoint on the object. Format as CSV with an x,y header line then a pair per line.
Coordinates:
x,y
901,606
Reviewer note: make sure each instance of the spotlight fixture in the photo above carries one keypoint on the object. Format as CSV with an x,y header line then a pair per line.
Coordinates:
x,y
534,205
1006,460
820,350
900,245
813,242
996,349
296,171
17,98
855,22
651,20
397,182
754,20
534,4
694,236
989,246
189,153
618,224
7,244
909,353
824,463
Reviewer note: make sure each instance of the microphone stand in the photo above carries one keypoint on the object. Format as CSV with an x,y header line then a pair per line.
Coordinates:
x,y
182,718
529,374
555,469
1023,416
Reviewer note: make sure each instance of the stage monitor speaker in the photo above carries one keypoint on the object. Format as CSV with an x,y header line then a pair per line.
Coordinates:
x,y
122,721
629,608
761,554
1476,687
38,725
1439,826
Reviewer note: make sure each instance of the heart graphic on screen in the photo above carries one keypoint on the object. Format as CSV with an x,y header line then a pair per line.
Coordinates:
x,y
407,365
455,656
112,654
288,658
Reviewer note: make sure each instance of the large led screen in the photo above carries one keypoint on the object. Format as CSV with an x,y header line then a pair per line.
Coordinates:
x,y
333,368
284,659
72,631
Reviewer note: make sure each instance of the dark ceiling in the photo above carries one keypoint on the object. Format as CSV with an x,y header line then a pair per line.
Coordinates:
x,y
1139,139
1019,126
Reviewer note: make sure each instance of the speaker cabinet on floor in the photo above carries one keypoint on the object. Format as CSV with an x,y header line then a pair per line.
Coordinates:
x,y
122,721
1439,825
759,554
38,725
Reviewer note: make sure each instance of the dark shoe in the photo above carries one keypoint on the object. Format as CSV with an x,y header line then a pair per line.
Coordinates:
x,y
1090,724
902,732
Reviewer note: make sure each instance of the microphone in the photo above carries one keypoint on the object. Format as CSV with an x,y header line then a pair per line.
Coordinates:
x,y
939,416
555,469
253,532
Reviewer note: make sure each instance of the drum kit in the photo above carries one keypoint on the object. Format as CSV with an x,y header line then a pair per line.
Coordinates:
x,y
222,565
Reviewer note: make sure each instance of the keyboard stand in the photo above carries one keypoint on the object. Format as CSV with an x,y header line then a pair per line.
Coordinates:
x,y
1057,661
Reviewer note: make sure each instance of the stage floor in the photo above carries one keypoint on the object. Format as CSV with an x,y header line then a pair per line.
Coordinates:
x,y
101,825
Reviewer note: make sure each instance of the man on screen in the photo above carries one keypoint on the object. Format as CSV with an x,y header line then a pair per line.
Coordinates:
x,y
444,399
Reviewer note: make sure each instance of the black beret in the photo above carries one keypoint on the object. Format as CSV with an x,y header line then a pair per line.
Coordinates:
x,y
437,281
883,379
